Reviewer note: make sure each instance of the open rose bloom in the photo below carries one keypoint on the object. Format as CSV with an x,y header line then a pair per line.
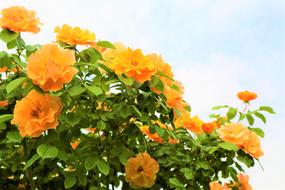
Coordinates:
x,y
83,113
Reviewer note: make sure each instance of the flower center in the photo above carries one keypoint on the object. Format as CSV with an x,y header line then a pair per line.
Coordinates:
x,y
35,113
134,63
140,169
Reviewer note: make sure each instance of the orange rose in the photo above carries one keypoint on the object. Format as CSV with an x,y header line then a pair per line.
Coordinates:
x,y
252,145
235,133
3,69
4,103
216,186
243,180
74,36
165,69
141,171
131,62
246,96
51,67
154,136
173,94
209,127
19,19
36,113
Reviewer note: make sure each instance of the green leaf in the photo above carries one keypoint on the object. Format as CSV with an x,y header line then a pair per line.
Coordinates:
x,y
249,118
231,113
188,173
127,81
69,181
90,163
106,44
8,36
94,90
258,131
101,125
175,182
15,84
157,83
47,151
260,116
245,158
76,90
14,136
5,117
90,55
228,146
220,107
31,161
267,109
103,167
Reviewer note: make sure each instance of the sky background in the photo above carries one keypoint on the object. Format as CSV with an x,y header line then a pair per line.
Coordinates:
x,y
216,48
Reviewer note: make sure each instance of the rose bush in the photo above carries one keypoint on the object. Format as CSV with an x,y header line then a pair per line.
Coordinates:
x,y
85,114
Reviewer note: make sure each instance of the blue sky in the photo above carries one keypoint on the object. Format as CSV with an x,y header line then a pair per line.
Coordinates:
x,y
216,47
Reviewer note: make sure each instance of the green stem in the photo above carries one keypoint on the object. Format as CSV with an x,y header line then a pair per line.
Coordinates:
x,y
28,172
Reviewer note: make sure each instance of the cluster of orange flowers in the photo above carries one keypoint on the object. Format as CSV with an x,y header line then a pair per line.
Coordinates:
x,y
51,67
241,136
242,184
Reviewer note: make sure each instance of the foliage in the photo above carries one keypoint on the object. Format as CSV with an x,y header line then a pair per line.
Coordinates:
x,y
100,126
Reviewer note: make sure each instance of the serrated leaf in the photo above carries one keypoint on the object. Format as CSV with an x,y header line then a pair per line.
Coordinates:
x,y
5,117
69,181
94,90
31,161
260,116
249,118
8,36
15,84
267,109
90,163
47,151
228,146
106,44
103,167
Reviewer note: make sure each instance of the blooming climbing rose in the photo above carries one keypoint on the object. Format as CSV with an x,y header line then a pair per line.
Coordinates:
x,y
36,113
51,67
246,96
74,35
133,63
19,19
141,171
